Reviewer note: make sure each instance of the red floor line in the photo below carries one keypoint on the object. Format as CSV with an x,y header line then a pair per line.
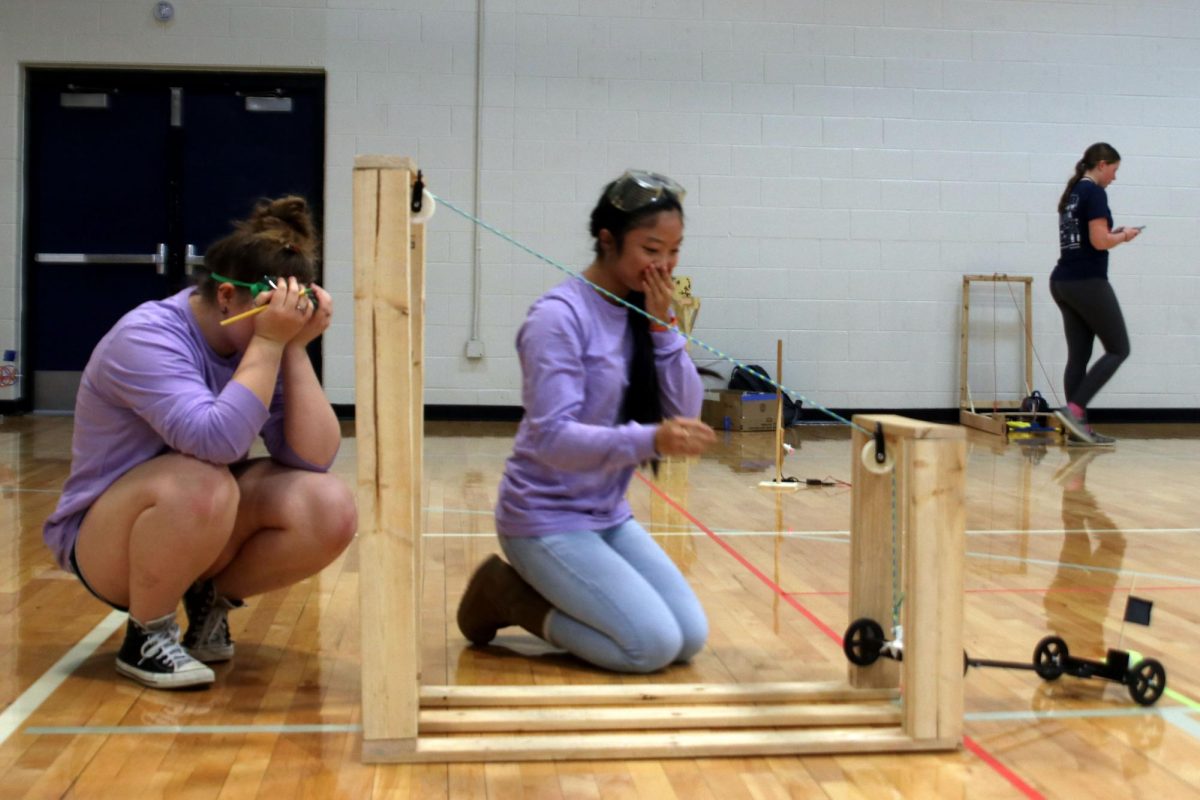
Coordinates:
x,y
821,626
1034,590
968,742
1006,773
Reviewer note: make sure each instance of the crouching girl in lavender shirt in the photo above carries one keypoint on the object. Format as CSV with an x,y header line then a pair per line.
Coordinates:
x,y
603,391
161,501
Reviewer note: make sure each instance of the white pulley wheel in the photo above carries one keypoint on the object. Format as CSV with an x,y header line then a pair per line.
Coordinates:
x,y
428,207
871,465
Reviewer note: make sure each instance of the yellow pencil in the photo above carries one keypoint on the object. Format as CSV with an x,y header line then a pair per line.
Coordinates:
x,y
257,310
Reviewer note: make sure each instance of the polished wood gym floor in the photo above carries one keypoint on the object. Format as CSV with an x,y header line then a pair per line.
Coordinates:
x,y
1058,538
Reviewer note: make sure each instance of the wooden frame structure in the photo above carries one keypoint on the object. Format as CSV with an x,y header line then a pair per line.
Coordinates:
x,y
404,721
996,420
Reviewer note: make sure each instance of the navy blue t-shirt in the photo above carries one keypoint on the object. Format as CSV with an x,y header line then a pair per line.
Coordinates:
x,y
1077,259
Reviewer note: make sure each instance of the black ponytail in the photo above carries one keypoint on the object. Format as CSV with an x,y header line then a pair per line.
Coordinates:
x,y
642,400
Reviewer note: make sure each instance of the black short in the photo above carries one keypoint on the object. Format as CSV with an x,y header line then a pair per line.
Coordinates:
x,y
88,586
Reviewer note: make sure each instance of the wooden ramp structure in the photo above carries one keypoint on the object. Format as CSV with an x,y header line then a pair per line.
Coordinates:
x,y
913,705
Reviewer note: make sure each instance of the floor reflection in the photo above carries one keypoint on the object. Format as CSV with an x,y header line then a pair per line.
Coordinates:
x,y
1093,550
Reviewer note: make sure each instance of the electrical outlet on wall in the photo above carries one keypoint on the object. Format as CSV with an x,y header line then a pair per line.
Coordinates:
x,y
475,348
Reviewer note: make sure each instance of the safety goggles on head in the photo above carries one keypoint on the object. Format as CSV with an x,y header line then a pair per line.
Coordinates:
x,y
266,284
637,189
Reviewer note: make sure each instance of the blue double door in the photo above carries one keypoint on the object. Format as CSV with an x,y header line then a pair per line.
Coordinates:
x,y
130,176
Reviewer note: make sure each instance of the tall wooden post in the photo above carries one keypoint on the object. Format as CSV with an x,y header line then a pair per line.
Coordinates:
x,y
388,304
923,516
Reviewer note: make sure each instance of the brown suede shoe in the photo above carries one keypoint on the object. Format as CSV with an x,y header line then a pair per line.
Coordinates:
x,y
497,597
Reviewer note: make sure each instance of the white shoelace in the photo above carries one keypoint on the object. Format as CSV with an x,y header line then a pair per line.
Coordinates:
x,y
164,644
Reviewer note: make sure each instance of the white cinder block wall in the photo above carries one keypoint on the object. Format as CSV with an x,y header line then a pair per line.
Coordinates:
x,y
846,161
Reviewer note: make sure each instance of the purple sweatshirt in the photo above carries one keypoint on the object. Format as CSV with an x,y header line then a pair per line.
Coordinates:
x,y
572,461
154,385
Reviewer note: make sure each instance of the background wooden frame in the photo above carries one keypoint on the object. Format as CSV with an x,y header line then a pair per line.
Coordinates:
x,y
993,421
404,721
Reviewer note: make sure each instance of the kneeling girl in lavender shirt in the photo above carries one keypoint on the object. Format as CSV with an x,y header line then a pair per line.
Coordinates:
x,y
603,391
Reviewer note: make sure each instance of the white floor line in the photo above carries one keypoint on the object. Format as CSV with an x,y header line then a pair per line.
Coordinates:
x,y
1088,568
13,717
689,530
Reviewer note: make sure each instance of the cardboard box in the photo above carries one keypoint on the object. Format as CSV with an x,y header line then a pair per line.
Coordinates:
x,y
735,410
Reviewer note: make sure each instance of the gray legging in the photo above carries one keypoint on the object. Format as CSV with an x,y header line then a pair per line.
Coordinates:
x,y
1090,310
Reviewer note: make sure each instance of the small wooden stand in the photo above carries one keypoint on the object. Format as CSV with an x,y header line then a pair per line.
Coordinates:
x,y
778,483
996,421
404,721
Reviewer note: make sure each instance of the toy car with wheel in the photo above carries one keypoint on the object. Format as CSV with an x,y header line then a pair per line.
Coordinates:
x,y
1146,679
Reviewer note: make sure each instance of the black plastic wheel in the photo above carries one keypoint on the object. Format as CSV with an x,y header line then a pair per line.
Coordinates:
x,y
1147,681
863,641
1050,657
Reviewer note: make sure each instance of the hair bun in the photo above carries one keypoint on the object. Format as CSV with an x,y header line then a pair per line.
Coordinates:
x,y
285,220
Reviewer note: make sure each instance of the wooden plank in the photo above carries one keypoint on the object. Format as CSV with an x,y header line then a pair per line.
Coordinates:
x,y
689,744
982,422
366,188
380,162
636,718
999,277
871,554
897,427
778,410
964,344
949,519
1029,337
655,693
935,523
391,667
417,270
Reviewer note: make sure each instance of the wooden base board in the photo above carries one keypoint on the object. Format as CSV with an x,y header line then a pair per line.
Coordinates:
x,y
616,694
997,423
628,745
988,423
626,721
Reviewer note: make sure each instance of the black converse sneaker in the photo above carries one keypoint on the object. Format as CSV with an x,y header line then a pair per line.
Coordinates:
x,y
152,655
207,638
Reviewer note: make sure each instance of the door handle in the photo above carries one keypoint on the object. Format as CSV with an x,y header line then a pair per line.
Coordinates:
x,y
190,259
157,258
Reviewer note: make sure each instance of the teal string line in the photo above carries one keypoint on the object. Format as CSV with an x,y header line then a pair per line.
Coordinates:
x,y
651,317
898,598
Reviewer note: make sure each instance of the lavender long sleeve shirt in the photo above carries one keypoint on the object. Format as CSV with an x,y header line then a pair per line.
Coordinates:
x,y
572,460
154,385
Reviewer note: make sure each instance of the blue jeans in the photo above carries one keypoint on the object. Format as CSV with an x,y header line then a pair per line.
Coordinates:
x,y
619,601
